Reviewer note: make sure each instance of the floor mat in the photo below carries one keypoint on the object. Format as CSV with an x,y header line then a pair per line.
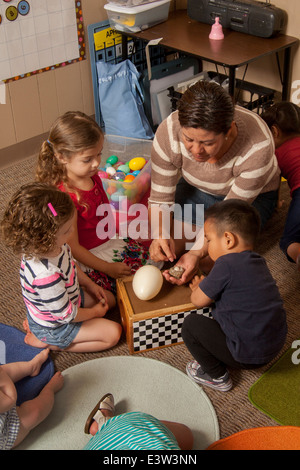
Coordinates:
x,y
277,392
138,384
268,438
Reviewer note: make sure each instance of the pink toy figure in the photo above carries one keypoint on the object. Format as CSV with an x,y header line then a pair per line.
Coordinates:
x,y
216,30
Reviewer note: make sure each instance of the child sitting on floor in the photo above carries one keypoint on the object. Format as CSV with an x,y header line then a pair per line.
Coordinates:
x,y
133,430
69,159
248,328
65,308
284,121
17,421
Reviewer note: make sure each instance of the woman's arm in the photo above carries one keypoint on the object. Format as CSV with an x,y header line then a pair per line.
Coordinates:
x,y
8,393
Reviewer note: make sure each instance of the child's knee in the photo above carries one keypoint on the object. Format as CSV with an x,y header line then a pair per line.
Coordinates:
x,y
115,334
111,300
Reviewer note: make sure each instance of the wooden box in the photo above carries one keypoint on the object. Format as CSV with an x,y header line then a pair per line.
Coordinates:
x,y
154,323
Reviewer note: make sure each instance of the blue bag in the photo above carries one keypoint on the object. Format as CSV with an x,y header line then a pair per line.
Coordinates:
x,y
121,100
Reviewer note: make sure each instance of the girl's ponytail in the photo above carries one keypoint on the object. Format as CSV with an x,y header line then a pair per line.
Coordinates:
x,y
49,169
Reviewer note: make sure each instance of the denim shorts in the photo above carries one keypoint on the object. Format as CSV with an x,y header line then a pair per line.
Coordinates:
x,y
61,336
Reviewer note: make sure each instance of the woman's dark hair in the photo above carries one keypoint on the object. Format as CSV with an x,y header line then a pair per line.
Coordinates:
x,y
284,115
236,216
208,106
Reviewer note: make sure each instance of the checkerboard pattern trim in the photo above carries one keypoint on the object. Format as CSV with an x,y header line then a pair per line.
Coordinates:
x,y
161,331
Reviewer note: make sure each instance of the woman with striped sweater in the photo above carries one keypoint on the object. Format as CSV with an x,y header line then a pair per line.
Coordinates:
x,y
206,151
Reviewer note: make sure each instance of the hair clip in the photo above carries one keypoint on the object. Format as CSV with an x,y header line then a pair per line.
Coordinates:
x,y
49,142
52,209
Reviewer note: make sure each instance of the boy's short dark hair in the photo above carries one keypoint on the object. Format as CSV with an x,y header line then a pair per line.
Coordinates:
x,y
236,216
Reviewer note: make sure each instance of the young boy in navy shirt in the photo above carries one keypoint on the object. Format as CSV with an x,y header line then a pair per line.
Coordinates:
x,y
248,328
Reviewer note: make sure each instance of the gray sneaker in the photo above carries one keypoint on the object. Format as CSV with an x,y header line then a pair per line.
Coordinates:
x,y
195,372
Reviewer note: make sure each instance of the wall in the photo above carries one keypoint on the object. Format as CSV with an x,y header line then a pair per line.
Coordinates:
x,y
33,103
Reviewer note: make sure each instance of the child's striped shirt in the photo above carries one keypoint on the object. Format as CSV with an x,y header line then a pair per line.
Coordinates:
x,y
50,288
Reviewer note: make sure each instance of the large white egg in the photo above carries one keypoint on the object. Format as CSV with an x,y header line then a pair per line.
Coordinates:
x,y
147,282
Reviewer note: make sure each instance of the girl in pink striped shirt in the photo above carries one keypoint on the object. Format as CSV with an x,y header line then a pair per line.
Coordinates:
x,y
65,308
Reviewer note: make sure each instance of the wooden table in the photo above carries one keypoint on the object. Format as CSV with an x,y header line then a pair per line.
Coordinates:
x,y
180,33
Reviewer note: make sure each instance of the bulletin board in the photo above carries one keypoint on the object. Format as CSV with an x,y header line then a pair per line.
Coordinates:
x,y
39,35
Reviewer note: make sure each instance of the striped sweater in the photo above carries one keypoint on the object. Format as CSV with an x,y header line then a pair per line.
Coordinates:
x,y
50,288
246,170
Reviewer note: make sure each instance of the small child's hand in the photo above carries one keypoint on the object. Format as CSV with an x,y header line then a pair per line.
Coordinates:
x,y
98,292
117,270
194,284
101,308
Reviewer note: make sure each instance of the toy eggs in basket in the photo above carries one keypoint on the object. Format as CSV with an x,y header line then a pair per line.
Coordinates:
x,y
127,181
130,157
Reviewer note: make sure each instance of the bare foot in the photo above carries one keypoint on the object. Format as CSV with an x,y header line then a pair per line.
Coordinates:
x,y
32,340
38,361
94,426
56,383
26,326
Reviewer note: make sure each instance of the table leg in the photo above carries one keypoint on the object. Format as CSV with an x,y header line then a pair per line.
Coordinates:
x,y
286,75
231,81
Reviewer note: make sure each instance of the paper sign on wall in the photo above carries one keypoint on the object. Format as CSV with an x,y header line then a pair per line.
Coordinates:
x,y
39,35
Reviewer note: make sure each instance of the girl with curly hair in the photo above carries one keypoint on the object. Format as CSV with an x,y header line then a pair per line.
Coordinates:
x,y
65,308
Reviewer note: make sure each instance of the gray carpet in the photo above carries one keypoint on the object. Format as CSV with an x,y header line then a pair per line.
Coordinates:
x,y
234,410
138,384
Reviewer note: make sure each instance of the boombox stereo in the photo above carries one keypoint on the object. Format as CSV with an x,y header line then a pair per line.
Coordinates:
x,y
247,16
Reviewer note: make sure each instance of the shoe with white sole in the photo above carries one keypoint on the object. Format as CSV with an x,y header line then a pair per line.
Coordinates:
x,y
195,372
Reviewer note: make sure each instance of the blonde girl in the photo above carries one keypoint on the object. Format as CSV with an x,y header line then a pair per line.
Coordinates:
x,y
69,159
65,308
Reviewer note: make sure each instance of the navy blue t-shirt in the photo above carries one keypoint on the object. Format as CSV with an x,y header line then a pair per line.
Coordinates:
x,y
247,306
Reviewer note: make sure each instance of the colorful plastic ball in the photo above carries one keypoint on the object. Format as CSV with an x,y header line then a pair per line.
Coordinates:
x,y
129,178
112,159
137,163
111,190
115,204
124,168
119,176
136,172
102,174
107,165
117,196
110,170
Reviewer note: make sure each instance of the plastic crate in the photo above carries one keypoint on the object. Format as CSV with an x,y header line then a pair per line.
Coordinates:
x,y
122,194
259,96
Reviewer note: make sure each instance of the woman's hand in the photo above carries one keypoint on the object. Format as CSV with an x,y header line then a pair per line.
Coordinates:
x,y
162,249
190,262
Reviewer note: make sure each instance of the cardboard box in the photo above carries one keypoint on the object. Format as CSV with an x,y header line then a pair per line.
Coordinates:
x,y
155,323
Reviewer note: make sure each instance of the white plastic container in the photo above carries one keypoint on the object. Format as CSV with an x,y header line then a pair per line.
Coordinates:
x,y
130,3
135,19
125,149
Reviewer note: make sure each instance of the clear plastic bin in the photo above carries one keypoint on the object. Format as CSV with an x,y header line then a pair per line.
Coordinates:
x,y
122,194
138,18
130,3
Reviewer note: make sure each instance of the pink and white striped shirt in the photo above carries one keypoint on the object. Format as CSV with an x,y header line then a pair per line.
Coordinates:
x,y
50,288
